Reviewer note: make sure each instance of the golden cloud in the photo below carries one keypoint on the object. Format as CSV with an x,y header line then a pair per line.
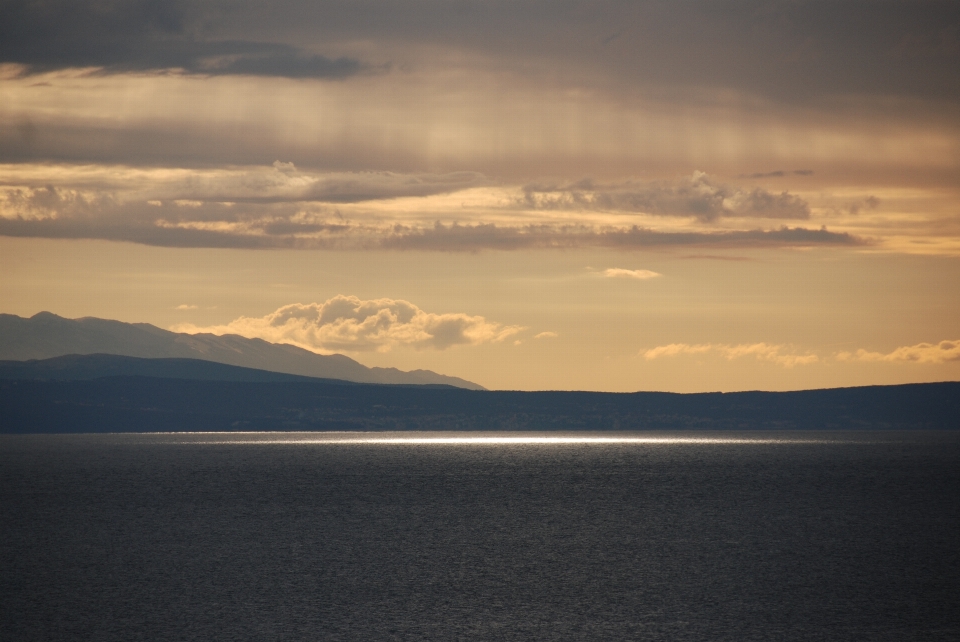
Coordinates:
x,y
347,323
942,352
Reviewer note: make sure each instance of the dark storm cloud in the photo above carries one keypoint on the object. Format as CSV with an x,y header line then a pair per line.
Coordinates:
x,y
289,64
467,73
144,35
794,51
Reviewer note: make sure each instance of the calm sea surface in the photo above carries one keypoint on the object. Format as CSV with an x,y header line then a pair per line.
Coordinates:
x,y
387,536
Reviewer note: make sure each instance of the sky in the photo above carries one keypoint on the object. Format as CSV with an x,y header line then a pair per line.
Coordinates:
x,y
605,195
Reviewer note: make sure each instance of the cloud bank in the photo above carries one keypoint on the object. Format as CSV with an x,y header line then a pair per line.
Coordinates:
x,y
347,323
280,206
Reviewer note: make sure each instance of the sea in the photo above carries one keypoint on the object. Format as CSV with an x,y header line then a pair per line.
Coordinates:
x,y
481,536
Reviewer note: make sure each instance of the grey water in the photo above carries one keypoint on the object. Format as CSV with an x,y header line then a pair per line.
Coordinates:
x,y
387,536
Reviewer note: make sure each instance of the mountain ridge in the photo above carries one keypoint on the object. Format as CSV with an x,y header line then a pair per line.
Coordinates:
x,y
84,367
46,335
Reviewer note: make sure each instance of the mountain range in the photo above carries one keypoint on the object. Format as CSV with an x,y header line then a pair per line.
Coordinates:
x,y
90,375
46,335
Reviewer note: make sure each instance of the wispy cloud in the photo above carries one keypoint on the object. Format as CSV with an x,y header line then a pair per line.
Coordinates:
x,y
282,182
630,274
697,196
674,349
925,353
347,323
546,335
762,351
185,306
942,352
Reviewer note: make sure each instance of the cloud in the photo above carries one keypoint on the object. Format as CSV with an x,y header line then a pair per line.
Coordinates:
x,y
146,35
778,50
674,349
778,173
630,274
289,63
696,196
483,236
943,352
761,351
869,203
281,182
184,306
62,214
280,206
774,174
546,335
347,323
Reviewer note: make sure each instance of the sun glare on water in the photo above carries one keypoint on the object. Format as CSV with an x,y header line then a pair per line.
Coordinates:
x,y
338,439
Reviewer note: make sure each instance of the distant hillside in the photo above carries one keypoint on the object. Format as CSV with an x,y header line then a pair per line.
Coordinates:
x,y
80,367
146,404
47,335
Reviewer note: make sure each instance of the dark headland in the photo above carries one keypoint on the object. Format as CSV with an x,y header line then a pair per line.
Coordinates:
x,y
109,393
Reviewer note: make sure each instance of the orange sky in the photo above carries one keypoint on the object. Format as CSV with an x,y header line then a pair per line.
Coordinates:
x,y
606,196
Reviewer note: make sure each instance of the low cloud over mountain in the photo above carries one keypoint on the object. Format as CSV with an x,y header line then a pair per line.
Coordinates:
x,y
47,335
348,323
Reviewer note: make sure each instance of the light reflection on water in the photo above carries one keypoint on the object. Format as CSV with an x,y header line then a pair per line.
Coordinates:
x,y
658,535
495,439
